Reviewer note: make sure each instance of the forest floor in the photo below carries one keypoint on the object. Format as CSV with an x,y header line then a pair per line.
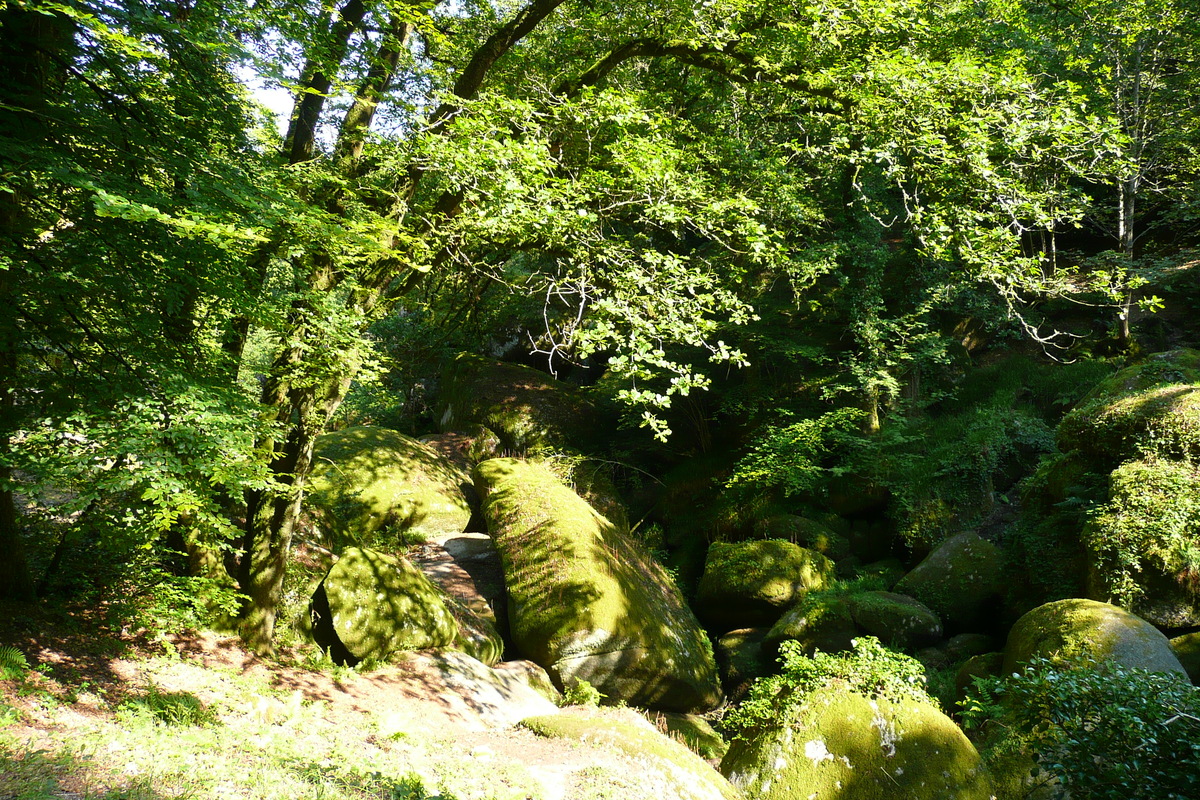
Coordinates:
x,y
104,712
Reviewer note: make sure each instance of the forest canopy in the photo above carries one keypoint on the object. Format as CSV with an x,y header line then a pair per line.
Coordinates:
x,y
821,193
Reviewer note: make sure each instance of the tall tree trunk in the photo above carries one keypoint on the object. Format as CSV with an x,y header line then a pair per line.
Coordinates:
x,y
306,408
30,43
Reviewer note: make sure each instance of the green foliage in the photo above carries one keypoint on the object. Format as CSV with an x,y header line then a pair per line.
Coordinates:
x,y
799,457
1149,521
1104,731
170,708
870,669
13,664
581,693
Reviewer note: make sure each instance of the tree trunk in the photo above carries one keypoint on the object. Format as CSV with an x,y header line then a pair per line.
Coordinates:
x,y
29,77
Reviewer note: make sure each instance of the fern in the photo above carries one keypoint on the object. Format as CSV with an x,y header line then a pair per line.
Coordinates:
x,y
13,664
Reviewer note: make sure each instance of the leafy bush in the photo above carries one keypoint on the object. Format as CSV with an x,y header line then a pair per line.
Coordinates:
x,y
581,693
870,669
1104,731
796,458
1150,519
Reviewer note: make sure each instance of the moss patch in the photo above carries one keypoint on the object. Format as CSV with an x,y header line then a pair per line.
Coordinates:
x,y
1143,548
747,583
960,581
684,774
895,619
585,602
371,605
527,409
1075,628
1187,649
835,744
1154,405
375,486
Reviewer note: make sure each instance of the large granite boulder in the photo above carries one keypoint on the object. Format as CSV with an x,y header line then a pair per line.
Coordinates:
x,y
754,583
830,621
665,767
527,409
896,620
822,622
377,486
1076,628
837,744
961,581
1155,403
371,605
1140,545
585,602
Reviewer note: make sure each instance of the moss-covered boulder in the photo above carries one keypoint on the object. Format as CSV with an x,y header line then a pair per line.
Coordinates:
x,y
753,583
895,619
961,581
1187,649
585,602
527,409
1151,405
1142,544
371,605
804,532
374,486
836,744
822,622
1076,628
667,769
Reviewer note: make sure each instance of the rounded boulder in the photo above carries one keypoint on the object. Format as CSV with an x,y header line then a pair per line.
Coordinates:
x,y
585,602
1078,628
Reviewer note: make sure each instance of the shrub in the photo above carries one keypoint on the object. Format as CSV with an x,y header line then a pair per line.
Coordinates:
x,y
870,669
1103,731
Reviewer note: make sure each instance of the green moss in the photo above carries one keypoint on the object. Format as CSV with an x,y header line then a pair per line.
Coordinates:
x,y
373,605
1074,628
826,625
804,532
835,743
376,486
527,409
895,619
1142,545
1151,407
692,731
688,776
1187,649
754,582
584,602
960,581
